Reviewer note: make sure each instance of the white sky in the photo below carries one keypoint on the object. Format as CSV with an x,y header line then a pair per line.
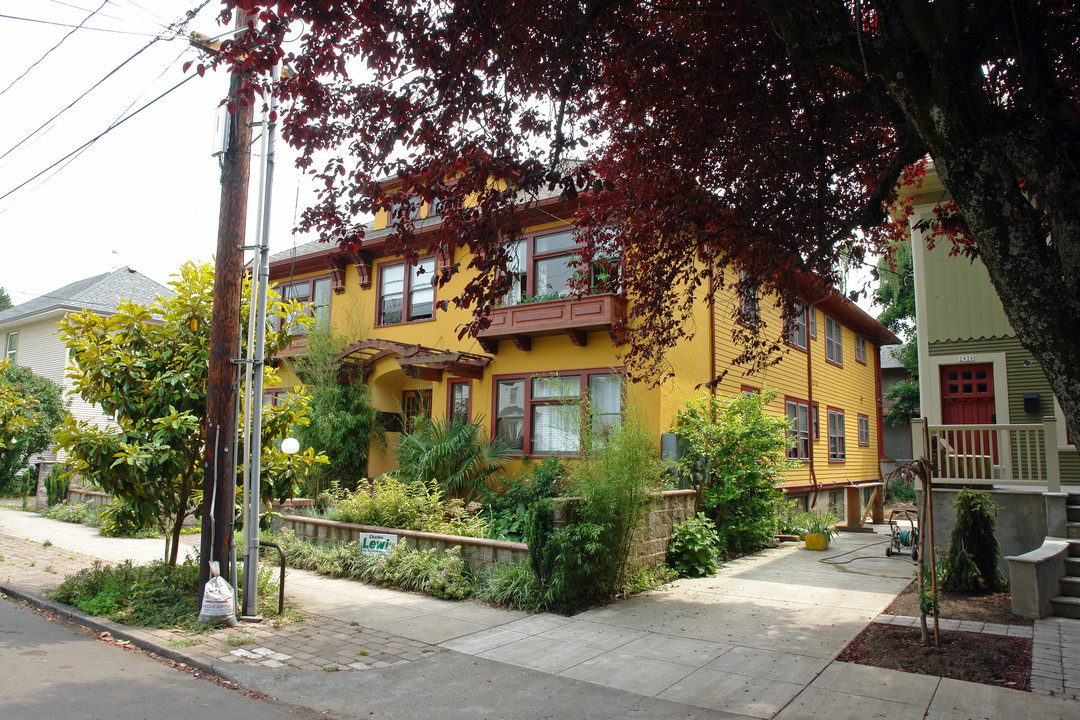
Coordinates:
x,y
145,195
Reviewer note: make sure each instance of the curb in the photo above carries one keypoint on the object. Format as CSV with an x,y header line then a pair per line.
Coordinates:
x,y
120,632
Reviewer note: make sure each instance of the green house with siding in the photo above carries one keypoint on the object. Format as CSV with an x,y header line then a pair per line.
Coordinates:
x,y
990,419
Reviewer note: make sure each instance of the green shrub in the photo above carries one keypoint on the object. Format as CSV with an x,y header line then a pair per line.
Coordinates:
x,y
900,490
444,575
456,454
120,521
392,503
742,453
80,513
691,551
971,564
586,561
510,585
154,595
505,510
56,484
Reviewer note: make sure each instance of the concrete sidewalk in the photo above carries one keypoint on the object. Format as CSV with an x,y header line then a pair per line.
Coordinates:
x,y
757,640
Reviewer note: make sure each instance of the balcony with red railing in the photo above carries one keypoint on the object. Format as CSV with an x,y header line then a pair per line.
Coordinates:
x,y
575,317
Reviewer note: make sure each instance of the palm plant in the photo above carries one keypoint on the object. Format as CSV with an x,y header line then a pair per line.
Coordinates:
x,y
457,454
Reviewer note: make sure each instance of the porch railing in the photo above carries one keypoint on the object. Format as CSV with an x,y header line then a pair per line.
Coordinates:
x,y
991,454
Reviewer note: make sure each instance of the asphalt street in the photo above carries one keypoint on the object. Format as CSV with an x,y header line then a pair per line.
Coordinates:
x,y
51,670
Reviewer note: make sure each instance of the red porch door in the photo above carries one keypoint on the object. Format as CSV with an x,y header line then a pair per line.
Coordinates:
x,y
967,398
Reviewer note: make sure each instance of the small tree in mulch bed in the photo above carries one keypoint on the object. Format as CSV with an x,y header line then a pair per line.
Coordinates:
x,y
972,562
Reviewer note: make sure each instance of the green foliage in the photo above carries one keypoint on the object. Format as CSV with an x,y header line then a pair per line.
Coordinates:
x,y
119,521
154,595
691,551
742,453
456,454
444,575
147,366
79,513
506,508
5,300
815,522
971,564
56,485
900,489
510,585
391,503
31,408
896,290
586,561
343,420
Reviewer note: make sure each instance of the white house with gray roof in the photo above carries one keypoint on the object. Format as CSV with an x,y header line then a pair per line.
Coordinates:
x,y
31,337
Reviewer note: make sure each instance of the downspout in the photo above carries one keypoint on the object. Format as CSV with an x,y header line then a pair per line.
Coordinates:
x,y
810,407
712,329
878,402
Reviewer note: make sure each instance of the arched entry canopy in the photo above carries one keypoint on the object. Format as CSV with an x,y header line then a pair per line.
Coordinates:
x,y
417,361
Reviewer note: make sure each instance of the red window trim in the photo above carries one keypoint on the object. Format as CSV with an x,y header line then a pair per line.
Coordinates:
x,y
858,417
839,344
450,398
405,292
811,328
809,426
806,326
749,389
828,409
815,421
309,301
526,443
857,339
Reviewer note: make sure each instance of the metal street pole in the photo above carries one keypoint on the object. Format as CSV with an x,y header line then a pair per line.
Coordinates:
x,y
253,498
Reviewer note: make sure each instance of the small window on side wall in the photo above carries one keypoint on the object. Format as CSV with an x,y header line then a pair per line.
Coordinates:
x,y
460,403
860,349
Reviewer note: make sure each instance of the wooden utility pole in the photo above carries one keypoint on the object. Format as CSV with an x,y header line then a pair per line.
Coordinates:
x,y
219,483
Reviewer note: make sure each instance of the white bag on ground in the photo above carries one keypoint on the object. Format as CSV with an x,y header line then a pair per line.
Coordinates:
x,y
218,602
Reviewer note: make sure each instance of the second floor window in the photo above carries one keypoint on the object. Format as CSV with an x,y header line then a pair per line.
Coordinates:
x,y
864,430
796,327
315,294
12,348
834,341
406,292
543,267
860,349
837,449
798,417
748,301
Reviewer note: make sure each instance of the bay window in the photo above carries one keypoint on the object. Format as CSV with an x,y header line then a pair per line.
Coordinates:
x,y
315,294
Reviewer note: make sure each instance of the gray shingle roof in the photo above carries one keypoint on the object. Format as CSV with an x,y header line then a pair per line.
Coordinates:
x,y
100,293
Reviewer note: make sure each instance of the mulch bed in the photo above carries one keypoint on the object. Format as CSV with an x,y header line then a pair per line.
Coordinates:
x,y
974,657
987,607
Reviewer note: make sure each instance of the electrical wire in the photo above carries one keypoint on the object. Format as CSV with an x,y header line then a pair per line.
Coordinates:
x,y
77,27
85,93
97,137
49,51
83,9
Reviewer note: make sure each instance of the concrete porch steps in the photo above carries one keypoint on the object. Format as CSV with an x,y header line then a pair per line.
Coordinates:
x,y
1067,604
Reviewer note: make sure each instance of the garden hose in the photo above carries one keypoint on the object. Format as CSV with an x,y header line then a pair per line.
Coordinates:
x,y
829,560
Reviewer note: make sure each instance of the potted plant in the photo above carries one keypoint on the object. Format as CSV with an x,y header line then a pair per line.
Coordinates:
x,y
816,527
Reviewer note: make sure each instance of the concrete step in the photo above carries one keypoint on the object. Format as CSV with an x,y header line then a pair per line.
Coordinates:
x,y
1072,513
1074,548
1072,530
1066,606
1072,566
1070,586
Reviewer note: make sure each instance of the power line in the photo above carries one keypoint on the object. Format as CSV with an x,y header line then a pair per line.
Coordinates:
x,y
97,137
49,51
69,25
87,92
79,7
